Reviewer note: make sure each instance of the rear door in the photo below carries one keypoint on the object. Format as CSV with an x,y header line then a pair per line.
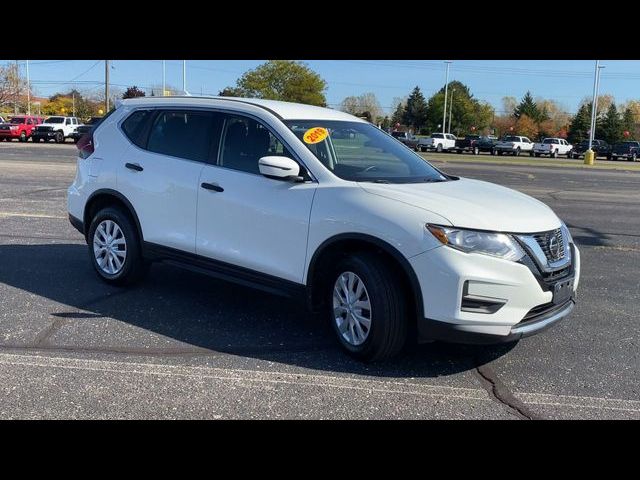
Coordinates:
x,y
159,172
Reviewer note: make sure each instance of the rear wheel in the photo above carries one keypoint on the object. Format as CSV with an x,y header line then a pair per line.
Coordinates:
x,y
114,248
439,148
23,137
476,151
633,157
367,307
36,139
517,152
554,154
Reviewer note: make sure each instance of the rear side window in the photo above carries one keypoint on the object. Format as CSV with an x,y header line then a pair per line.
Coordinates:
x,y
184,134
134,126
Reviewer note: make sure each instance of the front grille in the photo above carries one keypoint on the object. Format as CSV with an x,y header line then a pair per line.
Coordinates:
x,y
44,129
5,127
541,310
552,244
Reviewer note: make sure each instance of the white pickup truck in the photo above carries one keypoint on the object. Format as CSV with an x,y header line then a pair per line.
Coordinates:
x,y
513,144
552,147
55,128
438,142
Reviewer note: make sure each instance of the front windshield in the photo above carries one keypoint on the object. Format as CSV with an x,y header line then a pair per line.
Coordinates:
x,y
362,152
55,120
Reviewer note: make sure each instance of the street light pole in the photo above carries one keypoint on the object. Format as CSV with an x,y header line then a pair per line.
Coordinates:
x,y
184,76
106,87
589,156
164,78
446,90
28,91
451,109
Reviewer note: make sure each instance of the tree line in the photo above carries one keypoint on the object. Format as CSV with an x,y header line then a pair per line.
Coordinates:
x,y
294,81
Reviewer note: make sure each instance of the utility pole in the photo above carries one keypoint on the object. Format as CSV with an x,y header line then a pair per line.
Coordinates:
x,y
17,89
28,91
164,78
451,108
184,77
446,90
106,87
73,100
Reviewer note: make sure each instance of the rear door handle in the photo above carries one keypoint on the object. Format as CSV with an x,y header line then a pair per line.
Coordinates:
x,y
134,166
212,186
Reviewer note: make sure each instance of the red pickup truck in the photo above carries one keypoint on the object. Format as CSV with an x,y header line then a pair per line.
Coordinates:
x,y
20,127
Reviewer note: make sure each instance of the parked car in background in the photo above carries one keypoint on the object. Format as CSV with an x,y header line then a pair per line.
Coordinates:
x,y
600,147
438,141
552,147
487,143
629,150
468,144
80,130
409,139
20,127
514,144
55,128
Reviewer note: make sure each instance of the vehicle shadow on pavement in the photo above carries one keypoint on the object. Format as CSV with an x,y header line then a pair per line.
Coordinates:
x,y
177,309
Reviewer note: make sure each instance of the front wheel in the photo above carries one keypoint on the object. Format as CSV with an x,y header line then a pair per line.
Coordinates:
x,y
23,137
517,152
114,248
633,157
367,307
476,151
439,148
59,138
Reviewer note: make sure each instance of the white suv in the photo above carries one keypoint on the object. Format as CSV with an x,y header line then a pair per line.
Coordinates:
x,y
275,195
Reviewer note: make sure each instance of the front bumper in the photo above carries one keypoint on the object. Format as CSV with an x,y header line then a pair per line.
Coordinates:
x,y
44,134
10,134
524,299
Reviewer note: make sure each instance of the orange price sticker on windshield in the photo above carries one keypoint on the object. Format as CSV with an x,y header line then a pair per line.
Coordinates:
x,y
315,135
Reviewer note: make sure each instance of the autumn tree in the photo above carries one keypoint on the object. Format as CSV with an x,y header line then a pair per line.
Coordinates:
x,y
526,126
367,102
629,122
133,92
286,80
13,88
230,92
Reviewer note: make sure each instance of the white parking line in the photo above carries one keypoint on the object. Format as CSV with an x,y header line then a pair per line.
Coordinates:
x,y
30,215
254,378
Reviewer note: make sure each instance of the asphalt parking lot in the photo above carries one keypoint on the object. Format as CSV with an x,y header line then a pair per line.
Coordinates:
x,y
182,345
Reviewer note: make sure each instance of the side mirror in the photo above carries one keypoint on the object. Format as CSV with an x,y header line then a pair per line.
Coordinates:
x,y
279,168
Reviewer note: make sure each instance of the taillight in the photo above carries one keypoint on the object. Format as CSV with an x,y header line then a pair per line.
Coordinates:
x,y
85,145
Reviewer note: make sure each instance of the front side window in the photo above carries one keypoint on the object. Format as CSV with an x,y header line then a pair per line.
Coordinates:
x,y
437,135
184,134
55,120
245,141
18,120
366,154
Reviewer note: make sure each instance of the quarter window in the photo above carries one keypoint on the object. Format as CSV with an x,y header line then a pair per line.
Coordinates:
x,y
182,134
134,126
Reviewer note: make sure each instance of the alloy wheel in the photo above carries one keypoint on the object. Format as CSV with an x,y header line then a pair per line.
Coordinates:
x,y
109,247
352,308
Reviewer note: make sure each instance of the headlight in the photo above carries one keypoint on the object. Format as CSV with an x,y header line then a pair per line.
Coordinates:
x,y
13,127
566,231
498,245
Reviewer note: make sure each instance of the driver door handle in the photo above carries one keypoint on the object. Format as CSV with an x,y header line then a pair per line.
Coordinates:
x,y
134,166
212,186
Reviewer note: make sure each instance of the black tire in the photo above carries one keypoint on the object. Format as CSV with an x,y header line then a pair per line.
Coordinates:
x,y
633,157
59,138
517,152
500,152
476,151
531,153
494,151
36,139
537,154
23,137
134,267
439,148
554,154
389,320
75,140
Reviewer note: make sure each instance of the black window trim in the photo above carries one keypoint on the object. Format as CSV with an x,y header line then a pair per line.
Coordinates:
x,y
155,109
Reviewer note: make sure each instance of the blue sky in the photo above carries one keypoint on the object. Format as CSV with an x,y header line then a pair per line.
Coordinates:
x,y
566,81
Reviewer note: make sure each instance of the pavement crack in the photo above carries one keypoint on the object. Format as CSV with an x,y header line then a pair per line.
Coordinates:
x,y
501,394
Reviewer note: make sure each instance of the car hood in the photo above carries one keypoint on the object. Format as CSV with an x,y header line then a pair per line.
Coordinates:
x,y
473,204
